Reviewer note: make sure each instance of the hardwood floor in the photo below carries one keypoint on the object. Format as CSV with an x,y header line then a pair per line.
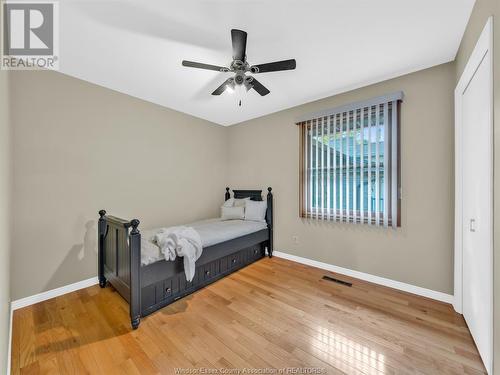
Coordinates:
x,y
273,314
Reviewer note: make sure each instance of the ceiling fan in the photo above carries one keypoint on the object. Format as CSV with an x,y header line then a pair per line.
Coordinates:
x,y
240,67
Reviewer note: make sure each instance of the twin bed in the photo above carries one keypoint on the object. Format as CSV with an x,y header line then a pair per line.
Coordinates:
x,y
137,270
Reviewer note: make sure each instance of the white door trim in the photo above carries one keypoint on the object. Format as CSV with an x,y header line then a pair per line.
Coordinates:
x,y
482,50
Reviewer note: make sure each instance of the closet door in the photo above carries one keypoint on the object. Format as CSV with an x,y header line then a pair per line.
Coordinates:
x,y
477,266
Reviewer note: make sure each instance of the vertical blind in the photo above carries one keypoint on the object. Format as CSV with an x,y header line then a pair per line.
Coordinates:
x,y
349,163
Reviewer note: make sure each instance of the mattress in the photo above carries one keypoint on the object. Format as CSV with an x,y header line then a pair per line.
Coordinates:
x,y
212,232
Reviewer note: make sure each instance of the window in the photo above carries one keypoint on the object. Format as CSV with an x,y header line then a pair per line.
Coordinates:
x,y
349,163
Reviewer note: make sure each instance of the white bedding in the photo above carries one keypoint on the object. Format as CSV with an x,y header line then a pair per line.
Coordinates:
x,y
211,231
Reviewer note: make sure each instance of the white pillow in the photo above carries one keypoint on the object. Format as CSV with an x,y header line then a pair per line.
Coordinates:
x,y
229,203
235,202
232,213
255,210
240,202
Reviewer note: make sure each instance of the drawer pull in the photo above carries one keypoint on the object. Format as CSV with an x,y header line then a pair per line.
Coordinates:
x,y
168,290
233,260
207,273
255,251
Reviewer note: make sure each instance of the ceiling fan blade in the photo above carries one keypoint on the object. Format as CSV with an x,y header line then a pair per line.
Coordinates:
x,y
259,87
228,83
193,64
274,66
239,39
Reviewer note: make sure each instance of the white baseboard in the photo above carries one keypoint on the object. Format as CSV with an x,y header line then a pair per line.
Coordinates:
x,y
27,301
439,296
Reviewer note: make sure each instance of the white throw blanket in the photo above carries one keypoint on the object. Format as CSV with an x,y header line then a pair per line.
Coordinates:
x,y
180,241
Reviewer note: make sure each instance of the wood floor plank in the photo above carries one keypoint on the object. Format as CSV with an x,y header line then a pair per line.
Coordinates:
x,y
317,311
266,333
273,314
350,296
301,335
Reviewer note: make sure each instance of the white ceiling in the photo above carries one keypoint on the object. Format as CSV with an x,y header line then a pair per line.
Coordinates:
x,y
136,47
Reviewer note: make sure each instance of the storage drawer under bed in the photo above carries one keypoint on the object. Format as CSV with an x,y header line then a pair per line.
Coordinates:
x,y
175,287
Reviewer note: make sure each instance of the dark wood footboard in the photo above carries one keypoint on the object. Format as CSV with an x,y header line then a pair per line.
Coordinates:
x,y
154,286
120,260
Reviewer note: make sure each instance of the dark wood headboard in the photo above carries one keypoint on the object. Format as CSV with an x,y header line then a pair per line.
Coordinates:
x,y
254,195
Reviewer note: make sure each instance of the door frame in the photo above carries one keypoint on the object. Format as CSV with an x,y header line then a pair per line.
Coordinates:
x,y
482,50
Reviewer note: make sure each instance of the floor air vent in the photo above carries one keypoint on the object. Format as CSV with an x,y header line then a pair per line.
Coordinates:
x,y
337,281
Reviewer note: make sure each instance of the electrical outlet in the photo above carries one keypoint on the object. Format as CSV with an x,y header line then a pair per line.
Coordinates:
x,y
295,239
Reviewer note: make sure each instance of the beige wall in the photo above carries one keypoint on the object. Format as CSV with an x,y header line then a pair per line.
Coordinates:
x,y
482,10
265,151
79,148
5,185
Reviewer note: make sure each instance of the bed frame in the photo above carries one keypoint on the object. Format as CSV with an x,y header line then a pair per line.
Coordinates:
x,y
151,287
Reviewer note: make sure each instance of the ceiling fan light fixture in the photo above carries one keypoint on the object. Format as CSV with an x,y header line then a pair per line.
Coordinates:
x,y
230,86
248,84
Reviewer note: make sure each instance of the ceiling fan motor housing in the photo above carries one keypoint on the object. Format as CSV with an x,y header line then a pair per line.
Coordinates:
x,y
239,65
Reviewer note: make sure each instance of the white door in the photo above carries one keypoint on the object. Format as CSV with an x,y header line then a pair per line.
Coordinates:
x,y
477,254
